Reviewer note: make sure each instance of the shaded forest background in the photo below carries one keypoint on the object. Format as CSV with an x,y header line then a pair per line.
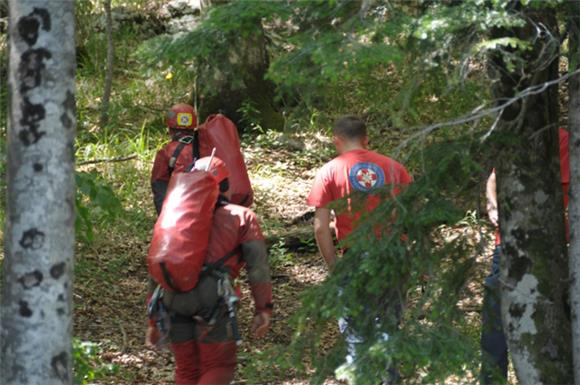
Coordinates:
x,y
283,71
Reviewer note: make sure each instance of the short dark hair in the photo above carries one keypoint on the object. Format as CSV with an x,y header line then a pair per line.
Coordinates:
x,y
350,127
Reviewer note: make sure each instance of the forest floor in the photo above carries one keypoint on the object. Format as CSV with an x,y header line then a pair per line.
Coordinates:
x,y
111,275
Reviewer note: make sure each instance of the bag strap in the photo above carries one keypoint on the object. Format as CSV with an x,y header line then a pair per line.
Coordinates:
x,y
209,267
183,140
167,277
195,151
195,146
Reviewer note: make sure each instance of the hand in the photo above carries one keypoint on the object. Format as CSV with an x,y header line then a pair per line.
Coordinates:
x,y
152,336
261,324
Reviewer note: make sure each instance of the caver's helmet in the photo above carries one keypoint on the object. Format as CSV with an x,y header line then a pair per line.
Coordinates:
x,y
181,117
217,169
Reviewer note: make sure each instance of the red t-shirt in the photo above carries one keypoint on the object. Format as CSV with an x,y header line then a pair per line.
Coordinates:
x,y
564,175
356,170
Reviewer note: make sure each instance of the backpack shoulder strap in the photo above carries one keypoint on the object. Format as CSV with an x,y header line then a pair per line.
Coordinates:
x,y
183,141
209,267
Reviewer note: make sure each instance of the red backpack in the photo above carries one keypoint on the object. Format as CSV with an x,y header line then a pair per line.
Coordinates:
x,y
221,133
181,234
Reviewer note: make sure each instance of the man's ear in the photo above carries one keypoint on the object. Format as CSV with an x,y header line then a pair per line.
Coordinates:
x,y
365,141
338,143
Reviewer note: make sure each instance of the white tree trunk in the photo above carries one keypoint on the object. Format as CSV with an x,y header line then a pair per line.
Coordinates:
x,y
574,204
36,314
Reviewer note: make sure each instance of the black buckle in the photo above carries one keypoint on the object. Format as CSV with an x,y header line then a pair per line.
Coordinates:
x,y
186,139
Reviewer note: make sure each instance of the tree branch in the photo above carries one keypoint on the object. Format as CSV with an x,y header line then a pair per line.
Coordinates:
x,y
480,113
107,160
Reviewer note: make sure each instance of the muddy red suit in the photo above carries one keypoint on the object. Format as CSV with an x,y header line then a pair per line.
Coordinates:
x,y
207,355
186,145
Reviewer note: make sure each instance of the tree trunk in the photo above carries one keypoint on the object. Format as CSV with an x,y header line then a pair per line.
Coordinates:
x,y
574,204
249,55
109,71
36,322
534,268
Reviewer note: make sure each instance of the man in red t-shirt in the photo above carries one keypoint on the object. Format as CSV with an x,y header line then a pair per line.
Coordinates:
x,y
355,170
493,343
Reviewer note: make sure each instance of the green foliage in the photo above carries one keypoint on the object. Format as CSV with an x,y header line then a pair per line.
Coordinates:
x,y
88,365
207,53
96,202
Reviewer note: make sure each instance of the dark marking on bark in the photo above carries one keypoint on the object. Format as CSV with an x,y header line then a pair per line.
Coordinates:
x,y
60,298
32,239
69,102
30,280
42,315
511,328
38,167
60,366
60,311
32,114
31,67
550,349
518,267
24,310
65,285
517,310
28,26
57,270
65,120
69,109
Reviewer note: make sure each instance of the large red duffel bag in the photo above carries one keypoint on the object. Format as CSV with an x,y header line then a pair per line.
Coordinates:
x,y
221,133
181,234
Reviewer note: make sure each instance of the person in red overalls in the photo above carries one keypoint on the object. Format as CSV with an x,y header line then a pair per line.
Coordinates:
x,y
494,363
204,345
178,154
355,169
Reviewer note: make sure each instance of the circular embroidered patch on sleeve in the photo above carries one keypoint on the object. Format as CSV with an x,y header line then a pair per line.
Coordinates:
x,y
366,177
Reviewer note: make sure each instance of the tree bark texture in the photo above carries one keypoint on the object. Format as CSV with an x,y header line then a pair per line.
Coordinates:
x,y
534,268
574,194
36,313
104,119
249,54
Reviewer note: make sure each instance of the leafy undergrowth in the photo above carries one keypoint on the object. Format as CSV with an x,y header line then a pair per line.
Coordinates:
x,y
111,274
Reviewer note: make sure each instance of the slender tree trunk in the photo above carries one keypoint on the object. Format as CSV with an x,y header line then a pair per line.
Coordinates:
x,y
534,268
109,71
574,204
36,317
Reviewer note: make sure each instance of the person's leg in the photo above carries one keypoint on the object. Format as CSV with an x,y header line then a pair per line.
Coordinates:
x,y
218,363
185,350
493,343
186,362
351,337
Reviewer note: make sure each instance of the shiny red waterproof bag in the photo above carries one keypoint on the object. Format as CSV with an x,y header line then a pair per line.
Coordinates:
x,y
221,133
181,234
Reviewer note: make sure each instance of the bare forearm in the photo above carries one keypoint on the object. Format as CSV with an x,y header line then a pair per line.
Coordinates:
x,y
326,246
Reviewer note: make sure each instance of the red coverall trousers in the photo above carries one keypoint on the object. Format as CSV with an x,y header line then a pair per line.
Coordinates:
x,y
202,360
204,363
